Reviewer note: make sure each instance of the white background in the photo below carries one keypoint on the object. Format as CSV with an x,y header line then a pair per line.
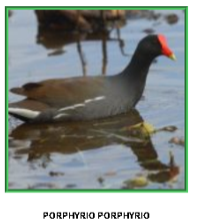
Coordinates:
x,y
162,206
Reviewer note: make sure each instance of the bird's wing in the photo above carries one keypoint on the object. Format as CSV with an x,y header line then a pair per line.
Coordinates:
x,y
62,92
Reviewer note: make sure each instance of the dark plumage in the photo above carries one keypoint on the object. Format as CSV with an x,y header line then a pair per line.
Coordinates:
x,y
86,98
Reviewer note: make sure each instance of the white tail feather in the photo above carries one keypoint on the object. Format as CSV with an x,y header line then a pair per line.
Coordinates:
x,y
30,114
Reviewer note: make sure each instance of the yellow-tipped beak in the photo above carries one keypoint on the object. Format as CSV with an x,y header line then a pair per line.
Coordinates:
x,y
172,56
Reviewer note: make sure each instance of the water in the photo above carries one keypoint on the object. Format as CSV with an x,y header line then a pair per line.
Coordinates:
x,y
95,155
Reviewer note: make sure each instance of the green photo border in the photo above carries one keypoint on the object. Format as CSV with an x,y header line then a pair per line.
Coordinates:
x,y
185,9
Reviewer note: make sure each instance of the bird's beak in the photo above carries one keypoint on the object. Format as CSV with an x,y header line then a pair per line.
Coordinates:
x,y
172,56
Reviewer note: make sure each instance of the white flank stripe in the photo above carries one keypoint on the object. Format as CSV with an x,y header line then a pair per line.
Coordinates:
x,y
94,99
73,107
27,113
88,100
99,98
82,104
60,115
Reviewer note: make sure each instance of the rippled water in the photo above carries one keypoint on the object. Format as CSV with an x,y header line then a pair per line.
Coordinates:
x,y
91,155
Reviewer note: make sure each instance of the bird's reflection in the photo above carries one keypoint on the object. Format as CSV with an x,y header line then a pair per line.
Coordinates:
x,y
57,40
71,137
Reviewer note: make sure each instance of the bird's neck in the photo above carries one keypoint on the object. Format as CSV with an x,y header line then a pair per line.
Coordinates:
x,y
138,67
133,78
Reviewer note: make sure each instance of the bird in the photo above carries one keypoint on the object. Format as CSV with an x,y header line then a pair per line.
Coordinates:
x,y
90,97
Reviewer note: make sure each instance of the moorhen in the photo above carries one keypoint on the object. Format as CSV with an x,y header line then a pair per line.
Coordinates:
x,y
88,98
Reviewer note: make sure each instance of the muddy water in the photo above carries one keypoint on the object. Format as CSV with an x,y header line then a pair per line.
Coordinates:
x,y
115,153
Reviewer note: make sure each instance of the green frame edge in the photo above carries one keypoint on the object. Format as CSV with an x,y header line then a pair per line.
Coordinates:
x,y
185,190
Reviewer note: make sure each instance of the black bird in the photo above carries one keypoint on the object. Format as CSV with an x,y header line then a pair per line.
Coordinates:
x,y
88,98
